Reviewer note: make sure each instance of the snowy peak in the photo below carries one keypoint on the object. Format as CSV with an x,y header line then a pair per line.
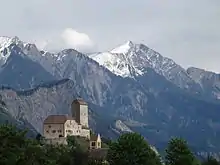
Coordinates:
x,y
5,47
7,41
123,48
119,60
132,60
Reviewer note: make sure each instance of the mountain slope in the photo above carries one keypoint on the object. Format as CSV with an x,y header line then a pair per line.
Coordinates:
x,y
19,71
209,81
6,117
156,116
55,97
132,60
151,100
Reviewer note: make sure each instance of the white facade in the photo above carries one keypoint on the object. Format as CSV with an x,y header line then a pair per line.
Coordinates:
x,y
72,128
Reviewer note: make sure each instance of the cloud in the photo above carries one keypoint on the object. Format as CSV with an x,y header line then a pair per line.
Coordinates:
x,y
76,39
185,30
68,38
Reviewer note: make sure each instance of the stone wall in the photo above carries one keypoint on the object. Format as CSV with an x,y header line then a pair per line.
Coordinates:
x,y
72,128
53,130
61,140
85,133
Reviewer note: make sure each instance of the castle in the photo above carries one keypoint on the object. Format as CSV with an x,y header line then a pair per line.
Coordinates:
x,y
57,127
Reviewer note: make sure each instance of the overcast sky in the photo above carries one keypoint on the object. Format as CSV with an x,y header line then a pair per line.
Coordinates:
x,y
188,31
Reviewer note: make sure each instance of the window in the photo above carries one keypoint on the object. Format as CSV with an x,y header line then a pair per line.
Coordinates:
x,y
93,143
54,131
99,144
59,130
47,131
49,126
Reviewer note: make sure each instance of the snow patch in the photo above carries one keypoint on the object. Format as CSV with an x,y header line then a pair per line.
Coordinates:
x,y
123,48
112,63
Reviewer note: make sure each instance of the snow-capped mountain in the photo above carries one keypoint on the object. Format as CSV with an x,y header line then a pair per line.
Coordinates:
x,y
17,70
130,84
133,60
209,81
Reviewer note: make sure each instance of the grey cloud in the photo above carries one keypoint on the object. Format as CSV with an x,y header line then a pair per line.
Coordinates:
x,y
185,30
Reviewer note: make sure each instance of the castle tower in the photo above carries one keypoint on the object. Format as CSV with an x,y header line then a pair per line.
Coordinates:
x,y
80,112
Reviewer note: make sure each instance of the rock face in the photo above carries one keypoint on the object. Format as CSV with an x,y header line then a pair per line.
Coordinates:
x,y
36,104
20,123
19,71
209,81
133,60
131,88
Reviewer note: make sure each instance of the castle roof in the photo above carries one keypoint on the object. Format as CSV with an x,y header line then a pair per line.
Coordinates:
x,y
94,137
80,101
57,119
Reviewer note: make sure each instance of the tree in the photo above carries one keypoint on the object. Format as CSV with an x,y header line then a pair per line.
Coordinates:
x,y
13,143
17,149
131,149
178,153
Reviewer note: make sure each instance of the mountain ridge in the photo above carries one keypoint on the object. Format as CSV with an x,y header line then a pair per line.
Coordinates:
x,y
156,103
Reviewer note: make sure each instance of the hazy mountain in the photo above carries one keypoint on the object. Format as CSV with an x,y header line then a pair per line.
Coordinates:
x,y
133,60
131,88
209,81
19,71
6,117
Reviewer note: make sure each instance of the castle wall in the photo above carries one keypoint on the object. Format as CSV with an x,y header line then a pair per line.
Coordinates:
x,y
53,141
72,128
53,130
80,113
84,116
85,133
75,111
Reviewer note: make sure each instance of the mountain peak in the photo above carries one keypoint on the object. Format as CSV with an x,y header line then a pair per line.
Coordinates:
x,y
5,41
124,48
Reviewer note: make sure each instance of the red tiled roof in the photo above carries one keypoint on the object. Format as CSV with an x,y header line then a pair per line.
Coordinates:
x,y
80,101
57,119
93,137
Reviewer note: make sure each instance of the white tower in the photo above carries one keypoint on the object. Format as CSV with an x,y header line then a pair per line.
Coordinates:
x,y
80,112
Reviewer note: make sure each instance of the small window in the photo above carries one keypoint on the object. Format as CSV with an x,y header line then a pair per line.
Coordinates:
x,y
47,131
54,131
99,144
59,131
49,126
93,143
70,131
